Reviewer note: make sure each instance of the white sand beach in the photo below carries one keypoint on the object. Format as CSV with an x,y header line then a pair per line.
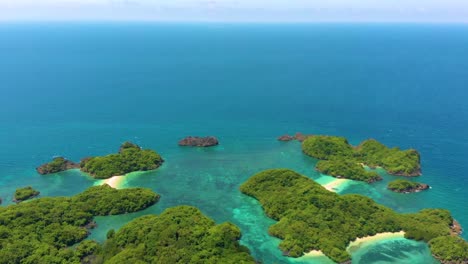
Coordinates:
x,y
313,254
335,185
363,241
114,181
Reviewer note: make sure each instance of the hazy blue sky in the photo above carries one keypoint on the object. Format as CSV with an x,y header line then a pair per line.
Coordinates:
x,y
237,10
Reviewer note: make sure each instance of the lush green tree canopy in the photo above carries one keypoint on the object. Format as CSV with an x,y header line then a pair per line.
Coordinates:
x,y
339,158
451,249
401,185
312,218
179,235
348,169
130,158
25,193
40,231
56,165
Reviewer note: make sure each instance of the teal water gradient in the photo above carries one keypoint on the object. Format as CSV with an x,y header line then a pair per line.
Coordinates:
x,y
82,89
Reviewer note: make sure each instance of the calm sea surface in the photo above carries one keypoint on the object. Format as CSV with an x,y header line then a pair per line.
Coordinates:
x,y
77,90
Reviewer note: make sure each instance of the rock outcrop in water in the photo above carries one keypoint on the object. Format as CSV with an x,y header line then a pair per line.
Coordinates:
x,y
199,141
298,136
57,165
456,229
286,138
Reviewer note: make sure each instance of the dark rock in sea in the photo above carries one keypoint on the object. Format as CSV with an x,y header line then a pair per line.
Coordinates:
x,y
286,138
450,261
298,136
301,137
199,141
57,165
91,225
376,179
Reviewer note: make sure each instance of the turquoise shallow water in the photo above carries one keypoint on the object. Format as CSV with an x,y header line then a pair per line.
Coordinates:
x,y
82,89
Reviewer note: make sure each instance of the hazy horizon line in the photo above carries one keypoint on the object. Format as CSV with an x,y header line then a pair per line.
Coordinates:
x,y
220,21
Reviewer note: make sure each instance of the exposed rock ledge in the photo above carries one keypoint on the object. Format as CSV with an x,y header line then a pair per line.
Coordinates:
x,y
199,141
298,136
455,228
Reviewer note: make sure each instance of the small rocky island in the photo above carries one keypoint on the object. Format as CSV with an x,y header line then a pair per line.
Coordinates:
x,y
406,186
340,159
130,158
57,165
199,141
25,193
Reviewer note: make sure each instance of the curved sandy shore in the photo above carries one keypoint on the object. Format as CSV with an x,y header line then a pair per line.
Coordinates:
x,y
114,182
358,243
313,254
335,185
364,241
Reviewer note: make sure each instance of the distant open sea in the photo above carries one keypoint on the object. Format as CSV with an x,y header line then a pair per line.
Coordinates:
x,y
77,90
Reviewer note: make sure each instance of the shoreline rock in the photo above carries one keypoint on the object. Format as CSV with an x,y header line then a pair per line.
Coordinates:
x,y
298,136
456,229
199,141
449,261
285,138
58,164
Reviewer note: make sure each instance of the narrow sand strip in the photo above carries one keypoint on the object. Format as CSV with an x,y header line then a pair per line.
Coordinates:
x,y
368,240
313,254
334,185
115,182
357,244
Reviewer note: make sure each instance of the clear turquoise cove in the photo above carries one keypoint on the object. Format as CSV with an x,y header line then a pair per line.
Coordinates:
x,y
77,90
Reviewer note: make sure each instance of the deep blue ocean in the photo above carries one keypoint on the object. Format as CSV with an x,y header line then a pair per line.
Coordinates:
x,y
77,90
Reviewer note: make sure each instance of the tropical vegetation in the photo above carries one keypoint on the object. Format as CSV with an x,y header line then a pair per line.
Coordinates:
x,y
25,193
58,164
312,218
178,235
342,168
402,185
339,158
450,249
130,158
42,230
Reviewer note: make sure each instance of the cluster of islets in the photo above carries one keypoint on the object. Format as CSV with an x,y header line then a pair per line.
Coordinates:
x,y
310,218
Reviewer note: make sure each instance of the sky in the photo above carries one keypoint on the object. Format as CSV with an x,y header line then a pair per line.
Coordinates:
x,y
237,10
